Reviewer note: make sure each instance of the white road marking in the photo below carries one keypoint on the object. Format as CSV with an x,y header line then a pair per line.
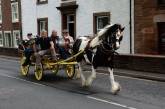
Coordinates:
x,y
8,76
110,102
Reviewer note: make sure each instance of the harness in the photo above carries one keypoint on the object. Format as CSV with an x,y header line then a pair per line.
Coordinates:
x,y
109,41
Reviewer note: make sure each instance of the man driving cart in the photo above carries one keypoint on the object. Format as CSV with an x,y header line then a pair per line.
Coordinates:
x,y
27,47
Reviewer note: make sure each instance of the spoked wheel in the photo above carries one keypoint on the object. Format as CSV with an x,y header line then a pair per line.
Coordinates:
x,y
24,69
55,69
38,72
70,70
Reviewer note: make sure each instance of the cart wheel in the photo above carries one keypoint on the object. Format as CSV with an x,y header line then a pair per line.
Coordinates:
x,y
24,69
55,69
38,72
70,70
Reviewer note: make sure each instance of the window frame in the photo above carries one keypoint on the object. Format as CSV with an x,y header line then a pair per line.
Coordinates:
x,y
42,2
17,12
38,24
5,32
95,22
1,45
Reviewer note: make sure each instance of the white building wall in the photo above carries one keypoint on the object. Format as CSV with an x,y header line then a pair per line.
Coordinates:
x,y
119,10
31,11
29,22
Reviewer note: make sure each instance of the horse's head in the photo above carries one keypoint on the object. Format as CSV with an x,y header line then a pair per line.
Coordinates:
x,y
113,37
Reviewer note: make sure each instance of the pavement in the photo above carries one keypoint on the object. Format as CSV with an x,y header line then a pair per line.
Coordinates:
x,y
60,92
121,72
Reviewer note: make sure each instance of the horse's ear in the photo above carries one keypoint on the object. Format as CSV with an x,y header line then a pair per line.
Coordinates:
x,y
122,29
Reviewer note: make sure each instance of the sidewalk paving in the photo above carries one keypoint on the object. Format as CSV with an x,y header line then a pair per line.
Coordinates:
x,y
120,72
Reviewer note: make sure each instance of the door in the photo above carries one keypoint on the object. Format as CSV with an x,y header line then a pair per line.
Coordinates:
x,y
161,36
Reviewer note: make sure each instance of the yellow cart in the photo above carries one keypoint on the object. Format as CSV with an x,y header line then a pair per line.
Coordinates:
x,y
46,64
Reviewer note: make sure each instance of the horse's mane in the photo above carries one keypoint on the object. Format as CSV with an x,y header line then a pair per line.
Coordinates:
x,y
99,36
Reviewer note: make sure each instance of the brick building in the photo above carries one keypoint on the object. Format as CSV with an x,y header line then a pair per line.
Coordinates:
x,y
10,24
149,26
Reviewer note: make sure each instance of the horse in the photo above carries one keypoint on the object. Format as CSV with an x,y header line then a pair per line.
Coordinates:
x,y
100,51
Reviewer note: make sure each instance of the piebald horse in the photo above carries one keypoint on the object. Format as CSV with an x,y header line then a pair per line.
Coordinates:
x,y
99,51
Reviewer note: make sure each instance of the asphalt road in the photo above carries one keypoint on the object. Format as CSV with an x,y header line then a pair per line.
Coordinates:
x,y
58,92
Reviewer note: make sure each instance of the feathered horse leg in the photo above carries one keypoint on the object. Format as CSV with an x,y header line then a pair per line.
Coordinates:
x,y
115,86
91,77
82,75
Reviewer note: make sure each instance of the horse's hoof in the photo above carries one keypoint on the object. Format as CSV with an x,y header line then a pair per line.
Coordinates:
x,y
116,88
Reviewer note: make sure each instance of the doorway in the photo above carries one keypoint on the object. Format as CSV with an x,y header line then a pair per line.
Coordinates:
x,y
161,37
68,22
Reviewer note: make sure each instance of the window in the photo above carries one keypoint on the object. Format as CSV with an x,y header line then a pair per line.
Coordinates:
x,y
100,20
16,35
68,0
42,24
1,39
42,1
0,12
8,41
161,37
15,13
161,3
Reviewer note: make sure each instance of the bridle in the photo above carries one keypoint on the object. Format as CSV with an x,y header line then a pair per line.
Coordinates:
x,y
108,44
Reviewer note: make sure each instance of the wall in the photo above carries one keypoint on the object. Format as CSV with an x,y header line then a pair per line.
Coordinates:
x,y
146,18
120,12
147,63
31,11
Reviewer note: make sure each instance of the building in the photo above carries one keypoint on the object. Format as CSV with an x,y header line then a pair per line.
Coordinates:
x,y
149,27
80,17
10,23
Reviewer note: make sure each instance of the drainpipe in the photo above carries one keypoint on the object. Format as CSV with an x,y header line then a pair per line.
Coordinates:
x,y
130,26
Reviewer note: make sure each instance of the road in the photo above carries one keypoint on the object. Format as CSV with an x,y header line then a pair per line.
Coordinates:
x,y
58,92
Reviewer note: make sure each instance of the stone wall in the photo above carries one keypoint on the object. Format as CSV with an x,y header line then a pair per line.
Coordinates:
x,y
147,63
9,51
